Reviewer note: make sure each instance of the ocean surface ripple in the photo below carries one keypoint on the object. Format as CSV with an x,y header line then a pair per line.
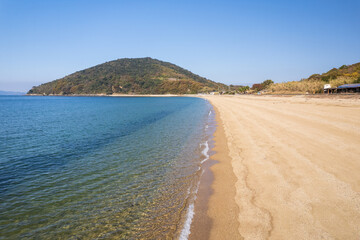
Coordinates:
x,y
98,167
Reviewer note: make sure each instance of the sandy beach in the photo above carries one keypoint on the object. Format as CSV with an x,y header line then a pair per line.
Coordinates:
x,y
289,168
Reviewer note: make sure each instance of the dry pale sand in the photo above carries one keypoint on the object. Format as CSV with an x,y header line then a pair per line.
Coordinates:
x,y
296,163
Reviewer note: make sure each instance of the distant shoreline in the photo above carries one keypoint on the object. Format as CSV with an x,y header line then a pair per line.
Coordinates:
x,y
106,95
318,96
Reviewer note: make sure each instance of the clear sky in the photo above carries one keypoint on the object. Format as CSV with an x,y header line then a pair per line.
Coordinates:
x,y
234,42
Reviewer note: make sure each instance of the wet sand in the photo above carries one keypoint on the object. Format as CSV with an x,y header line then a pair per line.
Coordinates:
x,y
289,168
215,208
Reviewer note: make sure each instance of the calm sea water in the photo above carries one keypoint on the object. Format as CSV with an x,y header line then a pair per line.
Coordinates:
x,y
100,167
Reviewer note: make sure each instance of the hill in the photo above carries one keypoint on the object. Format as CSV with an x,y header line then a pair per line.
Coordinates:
x,y
349,71
345,74
129,76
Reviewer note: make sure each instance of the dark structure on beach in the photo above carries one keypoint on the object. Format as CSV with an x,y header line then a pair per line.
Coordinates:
x,y
346,88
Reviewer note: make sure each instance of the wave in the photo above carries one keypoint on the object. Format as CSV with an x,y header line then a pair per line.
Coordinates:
x,y
189,216
190,212
185,232
205,152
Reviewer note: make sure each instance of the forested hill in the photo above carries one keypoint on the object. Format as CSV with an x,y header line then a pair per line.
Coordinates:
x,y
347,71
129,76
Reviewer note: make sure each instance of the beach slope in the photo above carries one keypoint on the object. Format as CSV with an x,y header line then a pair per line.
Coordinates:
x,y
297,166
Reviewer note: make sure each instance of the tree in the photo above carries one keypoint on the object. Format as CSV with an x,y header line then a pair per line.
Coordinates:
x,y
261,86
343,66
267,83
357,80
257,87
243,89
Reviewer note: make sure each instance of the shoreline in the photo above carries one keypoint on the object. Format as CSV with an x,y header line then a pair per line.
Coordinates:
x,y
217,188
106,95
353,96
271,148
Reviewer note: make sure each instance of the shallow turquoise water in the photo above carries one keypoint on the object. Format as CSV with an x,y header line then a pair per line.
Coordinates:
x,y
98,167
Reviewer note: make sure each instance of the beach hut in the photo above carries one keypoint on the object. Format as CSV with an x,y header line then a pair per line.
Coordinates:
x,y
349,88
328,89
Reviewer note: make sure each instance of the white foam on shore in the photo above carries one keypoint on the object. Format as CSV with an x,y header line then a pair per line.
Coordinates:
x,y
189,216
205,152
185,232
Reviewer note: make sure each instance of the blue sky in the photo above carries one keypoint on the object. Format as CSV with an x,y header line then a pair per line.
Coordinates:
x,y
234,42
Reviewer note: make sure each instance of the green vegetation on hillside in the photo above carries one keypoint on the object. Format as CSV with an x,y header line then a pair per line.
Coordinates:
x,y
129,76
345,74
262,86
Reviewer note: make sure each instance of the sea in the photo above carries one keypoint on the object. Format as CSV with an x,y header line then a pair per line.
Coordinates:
x,y
101,167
